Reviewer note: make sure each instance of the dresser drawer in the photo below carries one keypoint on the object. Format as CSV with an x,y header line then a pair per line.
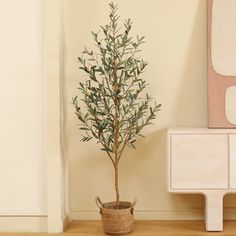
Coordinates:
x,y
232,161
199,161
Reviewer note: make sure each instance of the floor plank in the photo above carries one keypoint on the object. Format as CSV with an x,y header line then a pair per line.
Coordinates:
x,y
154,228
142,228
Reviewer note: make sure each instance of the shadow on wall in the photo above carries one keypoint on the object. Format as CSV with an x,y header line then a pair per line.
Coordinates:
x,y
193,85
152,150
194,79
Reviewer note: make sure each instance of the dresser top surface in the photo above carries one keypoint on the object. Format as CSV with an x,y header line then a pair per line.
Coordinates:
x,y
199,130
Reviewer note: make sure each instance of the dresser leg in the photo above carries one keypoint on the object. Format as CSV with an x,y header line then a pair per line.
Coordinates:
x,y
214,211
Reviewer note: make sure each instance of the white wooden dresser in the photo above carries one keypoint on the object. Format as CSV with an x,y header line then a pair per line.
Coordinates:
x,y
202,160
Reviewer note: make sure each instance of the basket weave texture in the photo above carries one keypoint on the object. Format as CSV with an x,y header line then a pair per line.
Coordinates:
x,y
116,221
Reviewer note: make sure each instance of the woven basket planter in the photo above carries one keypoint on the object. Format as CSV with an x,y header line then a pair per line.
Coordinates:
x,y
117,221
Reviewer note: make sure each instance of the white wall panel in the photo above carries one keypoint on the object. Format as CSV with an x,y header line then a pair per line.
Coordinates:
x,y
22,108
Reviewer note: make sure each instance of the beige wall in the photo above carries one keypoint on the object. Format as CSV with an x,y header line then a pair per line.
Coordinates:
x,y
22,135
176,49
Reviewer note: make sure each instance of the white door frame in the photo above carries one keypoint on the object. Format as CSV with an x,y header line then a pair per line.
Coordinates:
x,y
57,216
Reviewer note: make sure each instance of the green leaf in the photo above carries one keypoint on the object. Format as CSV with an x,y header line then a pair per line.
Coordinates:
x,y
113,72
80,60
84,128
74,99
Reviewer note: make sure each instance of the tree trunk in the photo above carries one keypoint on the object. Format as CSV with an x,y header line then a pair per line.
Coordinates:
x,y
117,185
116,139
116,132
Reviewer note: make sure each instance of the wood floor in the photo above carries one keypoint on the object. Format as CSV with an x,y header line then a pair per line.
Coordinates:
x,y
142,228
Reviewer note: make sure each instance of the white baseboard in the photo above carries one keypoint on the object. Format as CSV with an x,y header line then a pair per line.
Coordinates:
x,y
39,223
185,214
146,215
23,224
27,223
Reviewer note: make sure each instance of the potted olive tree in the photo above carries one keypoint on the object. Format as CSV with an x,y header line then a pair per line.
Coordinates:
x,y
116,107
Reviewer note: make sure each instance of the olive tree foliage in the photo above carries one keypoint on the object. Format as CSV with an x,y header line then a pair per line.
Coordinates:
x,y
116,107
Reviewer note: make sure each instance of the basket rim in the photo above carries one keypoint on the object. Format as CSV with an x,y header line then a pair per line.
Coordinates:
x,y
101,205
126,203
